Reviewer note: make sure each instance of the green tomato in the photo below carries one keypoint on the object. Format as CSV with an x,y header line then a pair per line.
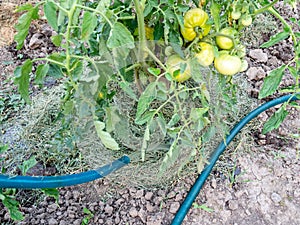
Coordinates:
x,y
236,15
174,64
225,42
246,20
227,64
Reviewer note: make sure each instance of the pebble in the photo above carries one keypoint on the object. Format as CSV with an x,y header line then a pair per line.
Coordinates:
x,y
35,41
276,198
133,212
174,207
255,73
52,221
52,208
258,55
109,210
139,194
233,205
148,195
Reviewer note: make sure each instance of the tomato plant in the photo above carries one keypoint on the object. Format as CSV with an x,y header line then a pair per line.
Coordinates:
x,y
143,49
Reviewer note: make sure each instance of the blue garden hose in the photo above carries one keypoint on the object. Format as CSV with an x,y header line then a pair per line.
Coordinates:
x,y
194,191
29,182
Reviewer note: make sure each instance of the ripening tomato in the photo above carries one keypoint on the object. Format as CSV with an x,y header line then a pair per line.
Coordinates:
x,y
149,32
206,56
225,42
192,19
227,64
175,64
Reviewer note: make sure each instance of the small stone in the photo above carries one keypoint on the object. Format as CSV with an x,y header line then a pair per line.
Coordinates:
x,y
35,41
109,210
233,205
258,55
76,194
52,208
148,195
149,207
77,222
52,221
62,222
213,183
178,197
139,194
276,198
255,73
133,212
172,194
174,207
142,214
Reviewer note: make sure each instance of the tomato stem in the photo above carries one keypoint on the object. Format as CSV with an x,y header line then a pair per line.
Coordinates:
x,y
265,8
141,27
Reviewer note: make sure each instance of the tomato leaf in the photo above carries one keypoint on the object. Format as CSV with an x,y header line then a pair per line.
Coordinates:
x,y
128,90
51,192
13,207
105,137
169,158
271,82
23,25
89,22
22,79
57,39
154,71
275,39
41,72
215,10
276,119
146,138
145,100
112,118
27,165
293,71
50,10
120,36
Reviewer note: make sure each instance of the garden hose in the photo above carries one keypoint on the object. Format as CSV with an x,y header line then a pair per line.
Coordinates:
x,y
30,182
194,191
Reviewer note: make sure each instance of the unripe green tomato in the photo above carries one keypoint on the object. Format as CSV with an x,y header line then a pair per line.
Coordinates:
x,y
236,15
246,20
174,63
225,42
227,64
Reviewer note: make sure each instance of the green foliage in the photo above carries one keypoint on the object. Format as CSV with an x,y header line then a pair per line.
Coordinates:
x,y
88,217
271,82
27,165
275,120
51,192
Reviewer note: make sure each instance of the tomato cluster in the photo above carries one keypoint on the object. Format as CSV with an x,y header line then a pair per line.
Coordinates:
x,y
221,48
